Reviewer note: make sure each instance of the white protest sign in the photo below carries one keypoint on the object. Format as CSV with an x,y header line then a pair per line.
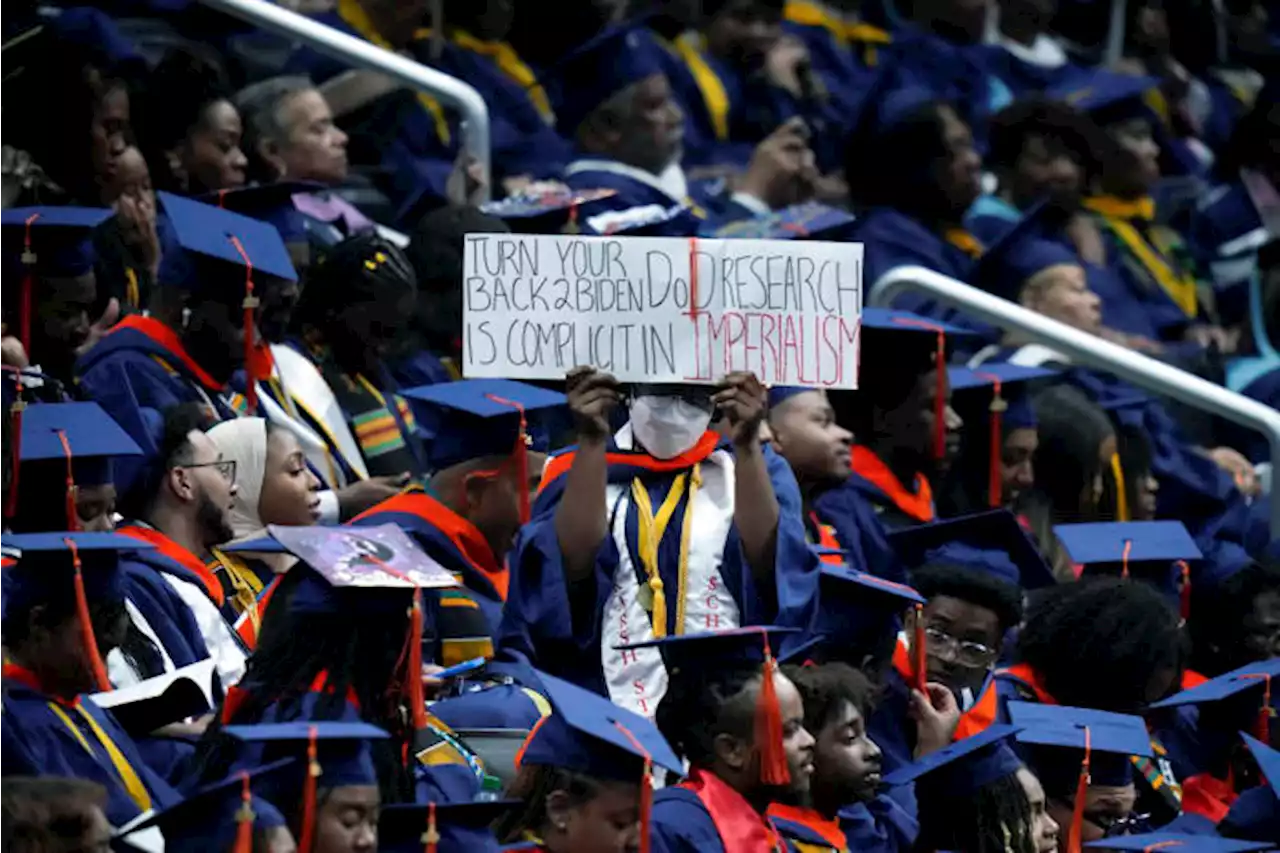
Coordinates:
x,y
537,305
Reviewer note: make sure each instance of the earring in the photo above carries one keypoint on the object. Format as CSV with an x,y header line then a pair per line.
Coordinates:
x,y
186,317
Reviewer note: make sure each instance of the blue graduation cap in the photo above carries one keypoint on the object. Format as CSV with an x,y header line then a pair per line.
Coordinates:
x,y
82,435
1101,92
486,417
213,248
1175,842
1268,761
647,220
587,733
1154,551
549,211
52,242
967,764
98,38
1020,253
597,70
1008,384
1251,676
208,819
858,610
810,220
1066,742
271,203
991,542
451,827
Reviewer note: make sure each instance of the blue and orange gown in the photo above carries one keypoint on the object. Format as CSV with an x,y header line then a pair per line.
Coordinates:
x,y
704,815
842,517
878,826
561,628
139,369
895,504
465,620
46,735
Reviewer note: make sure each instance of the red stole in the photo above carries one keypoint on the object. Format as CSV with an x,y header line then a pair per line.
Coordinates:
x,y
826,539
917,505
742,829
28,678
829,829
1208,796
179,555
981,714
559,465
168,338
1028,676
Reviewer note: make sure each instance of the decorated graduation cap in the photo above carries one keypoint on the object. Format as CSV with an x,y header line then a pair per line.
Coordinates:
x,y
453,827
598,69
586,733
330,754
966,765
83,436
366,570
271,203
1256,676
797,222
1007,409
908,342
52,242
549,211
487,417
992,542
1176,842
88,563
1159,552
216,251
215,818
698,655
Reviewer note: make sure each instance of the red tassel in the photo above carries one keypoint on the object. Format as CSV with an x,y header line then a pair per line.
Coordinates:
x,y
995,481
431,838
250,306
646,787
520,456
73,517
693,278
307,828
86,623
1124,559
244,818
1264,713
15,444
26,308
1184,591
1074,840
768,726
417,701
919,650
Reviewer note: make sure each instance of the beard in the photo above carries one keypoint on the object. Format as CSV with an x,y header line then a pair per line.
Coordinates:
x,y
213,522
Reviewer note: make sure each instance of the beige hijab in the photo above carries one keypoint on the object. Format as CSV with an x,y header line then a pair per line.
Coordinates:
x,y
244,440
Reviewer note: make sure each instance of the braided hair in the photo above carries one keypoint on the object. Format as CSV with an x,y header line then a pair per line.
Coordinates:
x,y
532,786
995,818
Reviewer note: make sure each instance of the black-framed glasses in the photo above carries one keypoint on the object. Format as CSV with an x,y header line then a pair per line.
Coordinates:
x,y
225,467
1134,824
965,652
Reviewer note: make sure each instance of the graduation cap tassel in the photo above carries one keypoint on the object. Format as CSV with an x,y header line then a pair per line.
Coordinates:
x,y
15,442
1124,558
73,517
431,838
1122,497
1264,713
86,622
646,787
28,286
940,398
249,305
995,482
920,667
520,455
768,725
417,701
307,828
1184,591
1074,840
244,818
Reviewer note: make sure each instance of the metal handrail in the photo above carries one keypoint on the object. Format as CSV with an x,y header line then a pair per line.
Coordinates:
x,y
362,54
1091,351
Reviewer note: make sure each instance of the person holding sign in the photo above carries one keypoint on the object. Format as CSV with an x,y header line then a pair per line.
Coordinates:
x,y
663,530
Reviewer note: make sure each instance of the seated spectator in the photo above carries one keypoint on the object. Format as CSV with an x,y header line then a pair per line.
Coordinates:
x,y
182,507
128,245
1024,55
1077,457
190,130
628,130
843,50
64,608
53,813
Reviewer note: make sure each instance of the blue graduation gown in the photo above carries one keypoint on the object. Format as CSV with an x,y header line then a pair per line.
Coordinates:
x,y
558,628
882,825
1225,233
167,614
893,239
416,145
522,142
135,372
681,823
859,530
36,742
1025,78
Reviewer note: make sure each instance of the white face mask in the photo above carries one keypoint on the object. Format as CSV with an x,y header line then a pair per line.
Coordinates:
x,y
667,426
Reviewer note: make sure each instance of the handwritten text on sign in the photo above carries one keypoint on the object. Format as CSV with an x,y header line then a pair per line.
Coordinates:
x,y
537,305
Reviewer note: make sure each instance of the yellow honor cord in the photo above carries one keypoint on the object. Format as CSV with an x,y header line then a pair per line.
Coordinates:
x,y
132,782
709,84
1179,286
649,535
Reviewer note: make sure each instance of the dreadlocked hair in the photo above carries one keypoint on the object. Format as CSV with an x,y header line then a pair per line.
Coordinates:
x,y
692,713
1216,625
533,784
357,653
996,818
825,688
1097,643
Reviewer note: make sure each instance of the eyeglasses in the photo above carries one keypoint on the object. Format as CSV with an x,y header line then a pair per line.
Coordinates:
x,y
965,652
225,467
1134,824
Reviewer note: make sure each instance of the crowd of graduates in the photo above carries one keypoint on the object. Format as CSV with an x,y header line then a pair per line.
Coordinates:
x,y
278,578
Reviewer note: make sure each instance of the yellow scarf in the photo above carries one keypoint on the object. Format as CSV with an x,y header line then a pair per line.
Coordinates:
x,y
510,64
964,241
132,782
1118,215
354,14
649,536
689,47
